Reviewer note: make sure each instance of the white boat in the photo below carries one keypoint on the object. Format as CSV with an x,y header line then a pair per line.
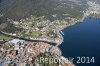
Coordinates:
x,y
62,32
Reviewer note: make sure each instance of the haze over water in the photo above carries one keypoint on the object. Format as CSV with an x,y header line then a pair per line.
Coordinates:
x,y
82,39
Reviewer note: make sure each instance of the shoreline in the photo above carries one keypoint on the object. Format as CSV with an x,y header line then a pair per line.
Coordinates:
x,y
87,20
61,29
60,37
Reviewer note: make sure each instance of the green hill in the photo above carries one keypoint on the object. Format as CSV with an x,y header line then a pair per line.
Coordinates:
x,y
17,9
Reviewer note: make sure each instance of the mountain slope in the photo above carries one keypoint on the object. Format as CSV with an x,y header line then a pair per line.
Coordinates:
x,y
17,9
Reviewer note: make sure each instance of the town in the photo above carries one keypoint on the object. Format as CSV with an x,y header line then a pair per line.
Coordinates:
x,y
20,53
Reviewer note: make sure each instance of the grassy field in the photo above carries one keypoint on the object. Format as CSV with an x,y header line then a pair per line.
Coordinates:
x,y
2,37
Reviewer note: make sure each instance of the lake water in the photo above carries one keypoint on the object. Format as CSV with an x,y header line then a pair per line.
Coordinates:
x,y
83,40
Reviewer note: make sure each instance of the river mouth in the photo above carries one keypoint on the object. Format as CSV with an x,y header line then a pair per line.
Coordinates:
x,y
83,40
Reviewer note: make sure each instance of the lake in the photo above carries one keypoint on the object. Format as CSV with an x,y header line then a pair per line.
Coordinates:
x,y
83,40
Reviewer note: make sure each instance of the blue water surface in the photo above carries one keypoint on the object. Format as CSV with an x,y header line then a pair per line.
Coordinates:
x,y
83,40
